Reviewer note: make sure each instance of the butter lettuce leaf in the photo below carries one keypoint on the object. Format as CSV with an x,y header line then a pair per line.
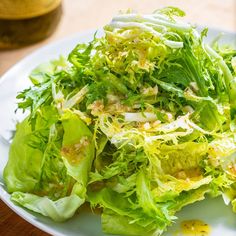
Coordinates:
x,y
38,176
77,151
17,174
58,210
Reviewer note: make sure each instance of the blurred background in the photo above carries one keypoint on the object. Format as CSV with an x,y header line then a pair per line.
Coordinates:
x,y
81,15
74,16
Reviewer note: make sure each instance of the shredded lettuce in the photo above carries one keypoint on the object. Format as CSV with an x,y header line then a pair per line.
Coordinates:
x,y
139,122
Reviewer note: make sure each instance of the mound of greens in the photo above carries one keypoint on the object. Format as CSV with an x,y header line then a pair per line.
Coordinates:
x,y
139,122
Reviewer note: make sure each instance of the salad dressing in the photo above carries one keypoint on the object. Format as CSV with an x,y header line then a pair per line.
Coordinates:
x,y
195,228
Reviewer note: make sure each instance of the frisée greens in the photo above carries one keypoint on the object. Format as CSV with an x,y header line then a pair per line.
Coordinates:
x,y
139,122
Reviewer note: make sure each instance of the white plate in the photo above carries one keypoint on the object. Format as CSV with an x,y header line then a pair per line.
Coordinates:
x,y
212,211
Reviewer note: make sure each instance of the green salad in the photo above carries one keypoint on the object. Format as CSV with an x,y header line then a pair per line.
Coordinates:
x,y
139,122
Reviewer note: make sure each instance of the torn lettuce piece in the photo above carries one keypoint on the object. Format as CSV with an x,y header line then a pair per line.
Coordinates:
x,y
170,187
28,152
187,198
58,210
46,186
35,164
22,173
129,209
77,151
122,225
183,157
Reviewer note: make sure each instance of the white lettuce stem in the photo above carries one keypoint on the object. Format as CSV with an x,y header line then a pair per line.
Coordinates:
x,y
149,18
119,24
169,43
